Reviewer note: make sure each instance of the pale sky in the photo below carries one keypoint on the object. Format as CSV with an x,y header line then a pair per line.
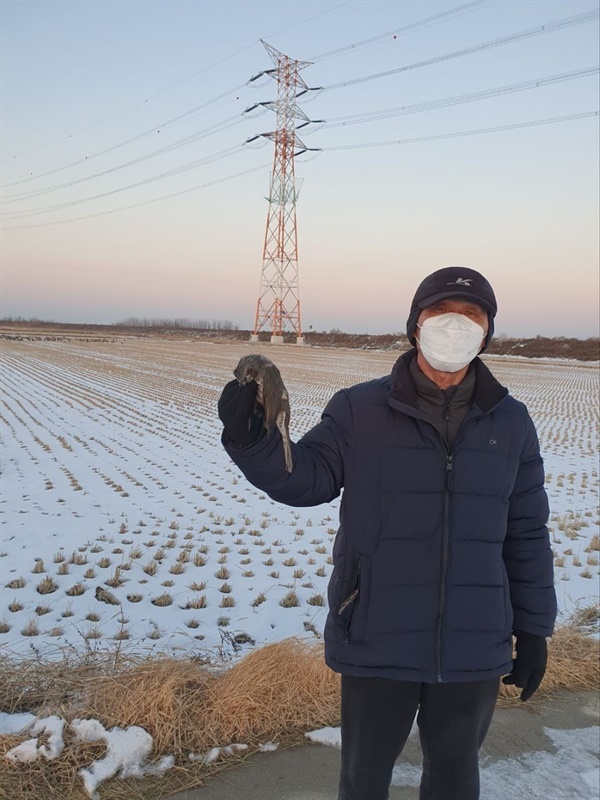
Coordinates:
x,y
90,86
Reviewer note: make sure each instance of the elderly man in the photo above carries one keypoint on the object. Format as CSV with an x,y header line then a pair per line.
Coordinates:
x,y
442,554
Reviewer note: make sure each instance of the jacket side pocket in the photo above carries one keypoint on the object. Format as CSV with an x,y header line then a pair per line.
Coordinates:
x,y
352,610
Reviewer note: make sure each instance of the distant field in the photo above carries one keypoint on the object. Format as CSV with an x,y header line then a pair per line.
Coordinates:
x,y
113,476
536,347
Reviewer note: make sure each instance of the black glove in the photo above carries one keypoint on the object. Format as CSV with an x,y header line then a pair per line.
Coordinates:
x,y
236,408
530,664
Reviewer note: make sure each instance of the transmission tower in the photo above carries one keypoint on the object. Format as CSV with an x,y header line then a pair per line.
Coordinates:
x,y
278,306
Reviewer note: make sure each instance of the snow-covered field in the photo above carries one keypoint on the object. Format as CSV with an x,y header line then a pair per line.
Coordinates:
x,y
124,523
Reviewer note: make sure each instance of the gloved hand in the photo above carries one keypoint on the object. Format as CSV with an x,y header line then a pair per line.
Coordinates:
x,y
530,664
236,408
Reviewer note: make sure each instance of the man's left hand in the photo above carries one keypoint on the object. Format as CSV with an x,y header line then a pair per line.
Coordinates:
x,y
530,664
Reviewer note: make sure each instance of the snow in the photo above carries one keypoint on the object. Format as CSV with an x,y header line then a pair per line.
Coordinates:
x,y
126,755
569,772
330,736
217,752
268,747
127,752
15,723
31,750
113,473
113,477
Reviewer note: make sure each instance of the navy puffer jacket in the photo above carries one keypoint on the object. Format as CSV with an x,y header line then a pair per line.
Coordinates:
x,y
440,554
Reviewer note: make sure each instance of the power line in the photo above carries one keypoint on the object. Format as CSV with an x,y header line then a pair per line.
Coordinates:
x,y
177,171
184,80
153,130
456,134
549,27
386,113
231,121
217,128
143,203
396,31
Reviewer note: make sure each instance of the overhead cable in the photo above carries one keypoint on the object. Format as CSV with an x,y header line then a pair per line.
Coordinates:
x,y
155,129
217,128
549,27
142,203
177,171
456,134
184,80
396,31
386,113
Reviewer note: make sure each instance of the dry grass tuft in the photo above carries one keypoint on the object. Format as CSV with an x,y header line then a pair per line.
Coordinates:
x,y
277,690
274,693
51,780
164,696
586,618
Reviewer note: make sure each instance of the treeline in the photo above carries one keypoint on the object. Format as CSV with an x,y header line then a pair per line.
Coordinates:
x,y
180,322
216,329
544,347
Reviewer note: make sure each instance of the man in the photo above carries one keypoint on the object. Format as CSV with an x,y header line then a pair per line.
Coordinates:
x,y
442,554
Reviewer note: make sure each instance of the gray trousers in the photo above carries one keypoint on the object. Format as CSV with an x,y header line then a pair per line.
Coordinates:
x,y
377,716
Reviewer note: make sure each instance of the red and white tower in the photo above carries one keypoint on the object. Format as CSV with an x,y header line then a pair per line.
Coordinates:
x,y
278,306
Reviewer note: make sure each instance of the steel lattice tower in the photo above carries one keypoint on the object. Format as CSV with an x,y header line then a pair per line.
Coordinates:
x,y
278,306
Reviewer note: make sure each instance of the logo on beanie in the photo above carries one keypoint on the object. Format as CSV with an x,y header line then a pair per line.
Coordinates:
x,y
460,282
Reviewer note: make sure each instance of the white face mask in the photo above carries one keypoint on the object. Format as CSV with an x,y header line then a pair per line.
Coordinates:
x,y
450,341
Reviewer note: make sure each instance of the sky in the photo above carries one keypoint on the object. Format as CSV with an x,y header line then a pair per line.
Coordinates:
x,y
89,87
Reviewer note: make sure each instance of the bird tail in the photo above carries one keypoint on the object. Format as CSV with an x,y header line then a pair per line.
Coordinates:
x,y
287,452
283,427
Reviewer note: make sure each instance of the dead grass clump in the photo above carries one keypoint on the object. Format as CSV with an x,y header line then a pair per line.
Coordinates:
x,y
76,590
594,544
586,618
277,690
274,693
258,600
316,600
290,600
164,696
164,599
53,780
47,585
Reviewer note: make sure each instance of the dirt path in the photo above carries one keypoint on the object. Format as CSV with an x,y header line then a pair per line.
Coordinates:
x,y
541,747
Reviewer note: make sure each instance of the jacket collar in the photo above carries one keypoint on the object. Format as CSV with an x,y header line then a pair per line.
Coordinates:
x,y
488,391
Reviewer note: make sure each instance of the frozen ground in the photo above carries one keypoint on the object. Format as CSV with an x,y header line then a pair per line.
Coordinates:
x,y
550,753
114,483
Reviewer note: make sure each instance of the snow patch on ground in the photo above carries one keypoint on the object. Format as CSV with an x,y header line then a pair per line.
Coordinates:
x,y
569,772
113,451
217,752
330,736
127,753
31,750
542,775
15,723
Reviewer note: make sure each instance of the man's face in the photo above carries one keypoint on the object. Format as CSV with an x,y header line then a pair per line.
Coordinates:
x,y
456,306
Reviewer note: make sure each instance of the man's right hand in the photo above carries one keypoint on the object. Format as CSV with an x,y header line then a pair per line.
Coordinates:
x,y
236,408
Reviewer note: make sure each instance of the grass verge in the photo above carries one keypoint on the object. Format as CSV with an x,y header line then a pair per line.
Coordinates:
x,y
274,693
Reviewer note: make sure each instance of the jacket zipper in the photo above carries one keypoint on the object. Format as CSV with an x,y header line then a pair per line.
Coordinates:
x,y
406,409
444,568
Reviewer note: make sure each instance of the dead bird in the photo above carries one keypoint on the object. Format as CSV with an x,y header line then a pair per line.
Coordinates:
x,y
105,596
271,395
